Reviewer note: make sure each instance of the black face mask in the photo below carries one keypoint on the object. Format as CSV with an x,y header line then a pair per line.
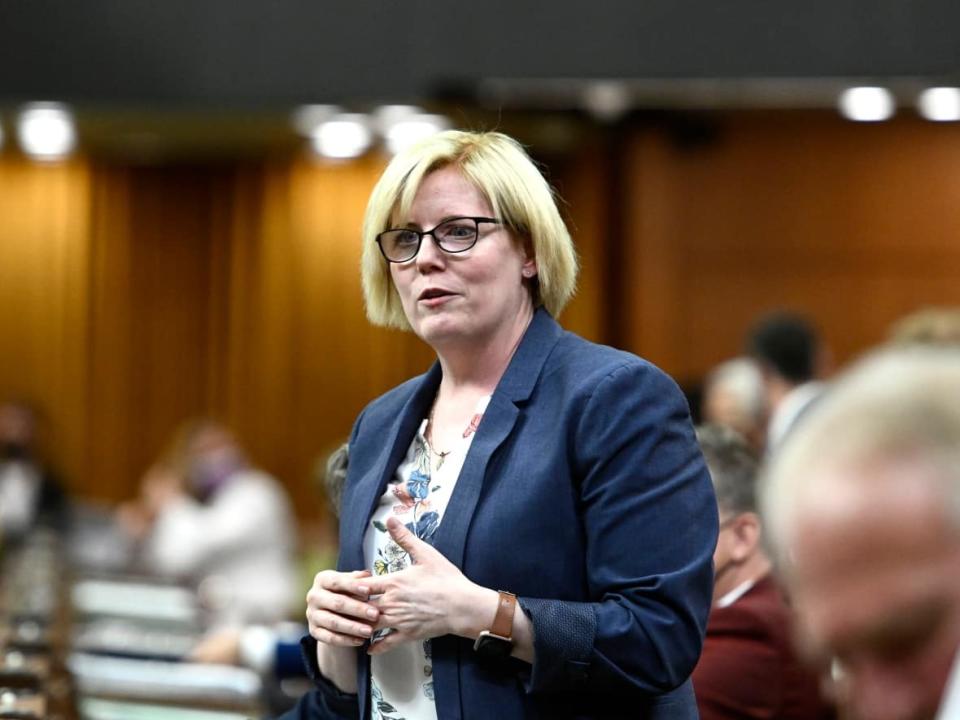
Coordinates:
x,y
13,451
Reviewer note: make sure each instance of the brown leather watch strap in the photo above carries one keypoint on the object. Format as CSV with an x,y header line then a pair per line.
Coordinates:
x,y
503,620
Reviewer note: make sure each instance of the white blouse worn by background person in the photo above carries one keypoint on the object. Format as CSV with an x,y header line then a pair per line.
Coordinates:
x,y
239,546
19,492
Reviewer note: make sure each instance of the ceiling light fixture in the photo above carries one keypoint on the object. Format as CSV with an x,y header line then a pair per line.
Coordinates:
x,y
867,104
307,118
940,104
412,129
343,136
46,131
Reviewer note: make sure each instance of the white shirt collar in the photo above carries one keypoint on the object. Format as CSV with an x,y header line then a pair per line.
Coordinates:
x,y
790,407
738,592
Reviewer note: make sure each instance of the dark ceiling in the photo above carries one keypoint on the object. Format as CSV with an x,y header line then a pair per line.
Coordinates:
x,y
277,52
148,76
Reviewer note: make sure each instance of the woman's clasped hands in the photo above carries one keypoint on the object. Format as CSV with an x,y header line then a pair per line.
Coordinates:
x,y
428,599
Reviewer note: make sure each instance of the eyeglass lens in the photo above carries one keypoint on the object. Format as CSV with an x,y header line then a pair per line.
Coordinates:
x,y
453,236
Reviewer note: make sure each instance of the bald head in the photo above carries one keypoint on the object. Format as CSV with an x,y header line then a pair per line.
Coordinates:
x,y
861,505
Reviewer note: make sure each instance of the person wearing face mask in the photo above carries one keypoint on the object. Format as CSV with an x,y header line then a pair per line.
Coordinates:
x,y
208,516
748,667
30,494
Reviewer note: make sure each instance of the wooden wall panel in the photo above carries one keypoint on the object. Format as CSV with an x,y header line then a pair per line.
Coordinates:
x,y
43,297
852,224
583,184
150,316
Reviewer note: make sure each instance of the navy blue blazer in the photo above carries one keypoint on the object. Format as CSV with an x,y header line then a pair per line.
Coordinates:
x,y
583,492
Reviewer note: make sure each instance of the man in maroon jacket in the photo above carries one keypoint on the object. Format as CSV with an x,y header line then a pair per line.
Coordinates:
x,y
748,668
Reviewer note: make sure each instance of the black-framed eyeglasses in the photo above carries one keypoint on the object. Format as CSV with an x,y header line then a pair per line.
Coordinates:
x,y
455,235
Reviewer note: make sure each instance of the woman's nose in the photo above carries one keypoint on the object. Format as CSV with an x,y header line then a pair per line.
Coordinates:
x,y
430,254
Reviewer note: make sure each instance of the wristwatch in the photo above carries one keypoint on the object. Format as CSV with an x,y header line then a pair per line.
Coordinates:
x,y
497,642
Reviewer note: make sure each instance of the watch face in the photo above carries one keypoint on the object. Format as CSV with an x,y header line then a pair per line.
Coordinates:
x,y
492,647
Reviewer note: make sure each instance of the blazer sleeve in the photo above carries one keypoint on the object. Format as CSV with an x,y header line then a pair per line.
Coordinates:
x,y
649,519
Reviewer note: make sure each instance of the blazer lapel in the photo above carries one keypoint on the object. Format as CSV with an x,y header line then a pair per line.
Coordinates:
x,y
514,388
397,439
498,421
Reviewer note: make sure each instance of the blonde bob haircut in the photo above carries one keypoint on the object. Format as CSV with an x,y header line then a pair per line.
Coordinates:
x,y
518,195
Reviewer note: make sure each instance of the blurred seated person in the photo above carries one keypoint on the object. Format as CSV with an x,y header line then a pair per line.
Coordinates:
x,y
274,649
748,668
205,514
791,357
30,494
733,396
934,326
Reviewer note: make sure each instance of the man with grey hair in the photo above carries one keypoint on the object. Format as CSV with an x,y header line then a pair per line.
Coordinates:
x,y
733,395
862,506
748,667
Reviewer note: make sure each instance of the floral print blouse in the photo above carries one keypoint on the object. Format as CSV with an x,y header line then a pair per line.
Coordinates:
x,y
401,681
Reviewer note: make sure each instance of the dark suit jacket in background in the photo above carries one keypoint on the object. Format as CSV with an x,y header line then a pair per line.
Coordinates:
x,y
583,492
748,668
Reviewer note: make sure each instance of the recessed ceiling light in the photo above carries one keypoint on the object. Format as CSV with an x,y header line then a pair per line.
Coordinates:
x,y
412,129
46,131
940,104
607,100
307,118
386,116
867,104
347,135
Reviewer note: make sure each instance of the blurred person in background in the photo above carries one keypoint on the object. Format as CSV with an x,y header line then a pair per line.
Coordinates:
x,y
206,515
31,496
733,396
527,529
748,667
930,326
862,504
791,358
274,650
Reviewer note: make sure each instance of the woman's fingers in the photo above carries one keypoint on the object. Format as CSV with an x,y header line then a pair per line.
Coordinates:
x,y
337,609
335,629
341,605
340,593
